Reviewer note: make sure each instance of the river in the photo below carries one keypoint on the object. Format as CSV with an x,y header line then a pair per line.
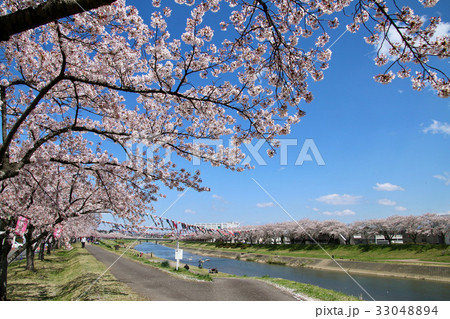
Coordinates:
x,y
380,288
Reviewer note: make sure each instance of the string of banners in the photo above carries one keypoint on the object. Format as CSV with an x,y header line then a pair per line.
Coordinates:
x,y
165,224
22,225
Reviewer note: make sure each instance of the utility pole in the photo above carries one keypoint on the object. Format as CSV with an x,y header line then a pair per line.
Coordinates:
x,y
177,255
178,251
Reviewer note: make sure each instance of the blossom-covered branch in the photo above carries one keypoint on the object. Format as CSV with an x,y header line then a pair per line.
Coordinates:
x,y
43,12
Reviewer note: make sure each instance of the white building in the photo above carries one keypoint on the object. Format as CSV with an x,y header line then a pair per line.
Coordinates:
x,y
227,225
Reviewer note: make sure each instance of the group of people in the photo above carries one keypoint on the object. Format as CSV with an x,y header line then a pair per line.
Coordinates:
x,y
84,240
200,265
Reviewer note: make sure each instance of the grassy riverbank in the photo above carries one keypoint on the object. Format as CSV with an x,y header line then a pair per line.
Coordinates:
x,y
373,253
383,265
127,252
304,291
66,275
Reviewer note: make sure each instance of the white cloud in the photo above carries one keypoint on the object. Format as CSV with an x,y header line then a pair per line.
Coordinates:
x,y
336,199
383,46
442,29
387,187
219,200
345,212
400,208
386,202
190,211
437,127
445,178
263,205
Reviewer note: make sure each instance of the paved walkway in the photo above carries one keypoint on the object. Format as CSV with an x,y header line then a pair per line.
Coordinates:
x,y
155,284
418,261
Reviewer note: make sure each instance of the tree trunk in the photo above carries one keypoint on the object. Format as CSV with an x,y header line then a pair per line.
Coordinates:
x,y
389,238
441,238
5,248
44,13
30,250
49,245
21,249
330,238
366,237
41,251
413,238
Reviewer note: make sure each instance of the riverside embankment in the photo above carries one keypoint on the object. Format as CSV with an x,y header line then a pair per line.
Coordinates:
x,y
398,269
363,286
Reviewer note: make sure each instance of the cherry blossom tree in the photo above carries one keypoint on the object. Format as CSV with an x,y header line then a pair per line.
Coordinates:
x,y
268,233
333,229
71,198
40,14
436,225
413,226
364,228
311,229
70,76
249,234
284,231
290,230
350,231
330,230
388,227
79,90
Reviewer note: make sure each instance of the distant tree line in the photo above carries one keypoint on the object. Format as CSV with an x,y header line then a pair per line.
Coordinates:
x,y
430,228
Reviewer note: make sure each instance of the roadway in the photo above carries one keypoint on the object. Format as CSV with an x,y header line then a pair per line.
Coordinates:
x,y
156,284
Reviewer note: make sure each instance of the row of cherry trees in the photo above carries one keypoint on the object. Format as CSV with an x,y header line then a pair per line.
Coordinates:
x,y
77,90
333,231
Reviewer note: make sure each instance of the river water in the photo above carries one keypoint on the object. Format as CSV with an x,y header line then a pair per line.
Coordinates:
x,y
380,288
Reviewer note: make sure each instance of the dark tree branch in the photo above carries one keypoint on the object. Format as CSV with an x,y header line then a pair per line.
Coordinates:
x,y
7,141
44,13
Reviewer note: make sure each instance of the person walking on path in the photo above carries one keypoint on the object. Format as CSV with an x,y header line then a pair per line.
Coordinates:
x,y
83,242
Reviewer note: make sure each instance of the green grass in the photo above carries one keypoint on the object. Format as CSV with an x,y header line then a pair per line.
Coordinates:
x,y
66,275
311,290
69,275
193,273
377,253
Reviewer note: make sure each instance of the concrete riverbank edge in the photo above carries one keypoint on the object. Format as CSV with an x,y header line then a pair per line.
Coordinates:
x,y
397,270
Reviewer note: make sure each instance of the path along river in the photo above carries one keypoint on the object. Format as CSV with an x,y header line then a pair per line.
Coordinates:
x,y
380,288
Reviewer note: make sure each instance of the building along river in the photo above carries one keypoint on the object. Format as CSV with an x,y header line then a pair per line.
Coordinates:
x,y
380,288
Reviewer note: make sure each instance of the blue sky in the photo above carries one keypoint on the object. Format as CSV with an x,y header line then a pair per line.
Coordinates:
x,y
367,134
